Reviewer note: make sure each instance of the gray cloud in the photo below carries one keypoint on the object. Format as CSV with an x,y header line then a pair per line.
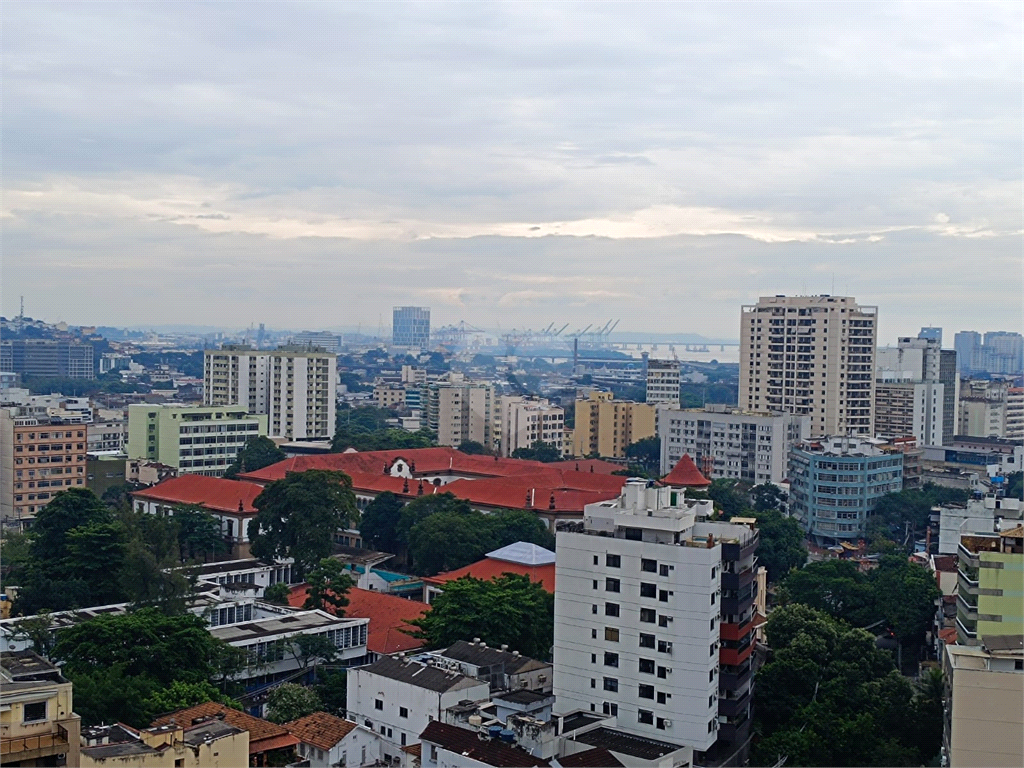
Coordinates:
x,y
658,162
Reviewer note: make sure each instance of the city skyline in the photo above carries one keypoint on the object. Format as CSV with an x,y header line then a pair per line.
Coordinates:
x,y
313,168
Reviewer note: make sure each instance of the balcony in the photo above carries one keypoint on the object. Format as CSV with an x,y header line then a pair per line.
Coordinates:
x,y
734,680
734,730
735,656
736,632
737,581
24,748
732,707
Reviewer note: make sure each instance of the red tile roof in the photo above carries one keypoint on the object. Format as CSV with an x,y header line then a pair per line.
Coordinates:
x,y
948,635
214,493
488,568
387,615
945,563
263,734
685,475
598,757
320,729
467,743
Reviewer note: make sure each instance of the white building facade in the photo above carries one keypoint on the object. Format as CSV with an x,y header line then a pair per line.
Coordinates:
x,y
639,606
810,355
521,421
663,382
730,443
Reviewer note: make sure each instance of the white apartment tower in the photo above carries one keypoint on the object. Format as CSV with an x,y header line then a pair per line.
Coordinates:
x,y
663,382
812,355
653,618
461,412
520,421
294,386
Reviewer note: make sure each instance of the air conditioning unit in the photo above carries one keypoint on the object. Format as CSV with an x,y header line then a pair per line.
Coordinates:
x,y
668,723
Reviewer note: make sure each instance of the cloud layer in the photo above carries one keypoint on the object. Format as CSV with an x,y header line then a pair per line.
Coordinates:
x,y
309,165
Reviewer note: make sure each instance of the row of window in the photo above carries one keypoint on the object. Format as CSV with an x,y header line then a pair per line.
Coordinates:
x,y
50,436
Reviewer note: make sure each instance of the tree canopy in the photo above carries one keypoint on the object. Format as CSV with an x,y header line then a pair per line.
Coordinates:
x,y
646,453
328,585
366,429
829,696
901,517
289,701
298,516
257,453
538,451
379,521
782,544
510,609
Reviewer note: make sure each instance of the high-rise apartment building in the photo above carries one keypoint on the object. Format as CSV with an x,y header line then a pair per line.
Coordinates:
x,y
521,421
999,352
726,442
663,382
196,439
931,333
48,357
916,386
410,327
40,456
836,482
990,585
607,427
294,386
330,342
810,355
1014,414
983,408
654,619
461,412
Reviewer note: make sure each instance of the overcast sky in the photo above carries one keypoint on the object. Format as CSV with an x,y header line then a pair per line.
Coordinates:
x,y
311,165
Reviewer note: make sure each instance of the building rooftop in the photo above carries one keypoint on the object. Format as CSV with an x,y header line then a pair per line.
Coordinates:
x,y
523,553
489,568
387,614
577,720
28,667
523,696
627,744
211,730
685,475
477,746
287,624
479,655
263,734
320,729
591,758
214,493
432,678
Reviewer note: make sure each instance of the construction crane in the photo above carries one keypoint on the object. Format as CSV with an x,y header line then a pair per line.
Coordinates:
x,y
455,334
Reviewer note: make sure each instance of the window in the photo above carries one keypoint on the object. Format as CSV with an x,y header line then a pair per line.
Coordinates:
x,y
433,753
645,716
648,615
611,684
612,585
403,712
663,595
647,666
664,646
648,590
648,566
403,739
711,726
389,733
664,569
611,609
593,634
663,697
378,704
35,711
595,559
609,708
712,649
711,675
646,641
662,723
611,634
594,607
179,763
646,692
613,561
663,672
593,683
611,659
595,583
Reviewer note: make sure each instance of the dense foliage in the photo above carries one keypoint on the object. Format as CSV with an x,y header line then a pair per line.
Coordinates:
x,y
510,609
645,453
538,451
443,532
289,702
898,594
328,585
257,453
125,667
366,429
902,517
378,522
782,545
298,516
829,696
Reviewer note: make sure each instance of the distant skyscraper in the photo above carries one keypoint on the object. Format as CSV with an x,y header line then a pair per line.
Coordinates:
x,y
812,355
968,348
1000,352
932,334
410,327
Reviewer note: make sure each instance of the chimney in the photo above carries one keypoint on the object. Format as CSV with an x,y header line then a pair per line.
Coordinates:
x,y
405,486
419,491
412,466
385,468
551,501
241,506
529,500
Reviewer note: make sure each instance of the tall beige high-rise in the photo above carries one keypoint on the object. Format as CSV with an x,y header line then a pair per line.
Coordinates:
x,y
812,355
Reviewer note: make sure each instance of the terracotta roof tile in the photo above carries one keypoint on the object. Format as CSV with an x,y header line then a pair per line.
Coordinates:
x,y
685,474
464,742
387,615
263,734
598,757
214,493
320,729
489,568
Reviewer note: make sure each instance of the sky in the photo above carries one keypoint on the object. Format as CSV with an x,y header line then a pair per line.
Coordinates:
x,y
310,165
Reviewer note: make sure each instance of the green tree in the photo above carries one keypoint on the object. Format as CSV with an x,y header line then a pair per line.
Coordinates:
x,y
1015,485
328,585
289,702
199,534
15,546
423,507
646,453
510,609
473,448
277,593
378,522
95,554
181,695
828,696
73,508
767,497
836,587
298,516
538,451
782,546
257,453
729,496
38,630
161,584
311,650
332,689
902,517
904,595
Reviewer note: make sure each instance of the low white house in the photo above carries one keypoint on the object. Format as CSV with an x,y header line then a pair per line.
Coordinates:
x,y
326,740
397,698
